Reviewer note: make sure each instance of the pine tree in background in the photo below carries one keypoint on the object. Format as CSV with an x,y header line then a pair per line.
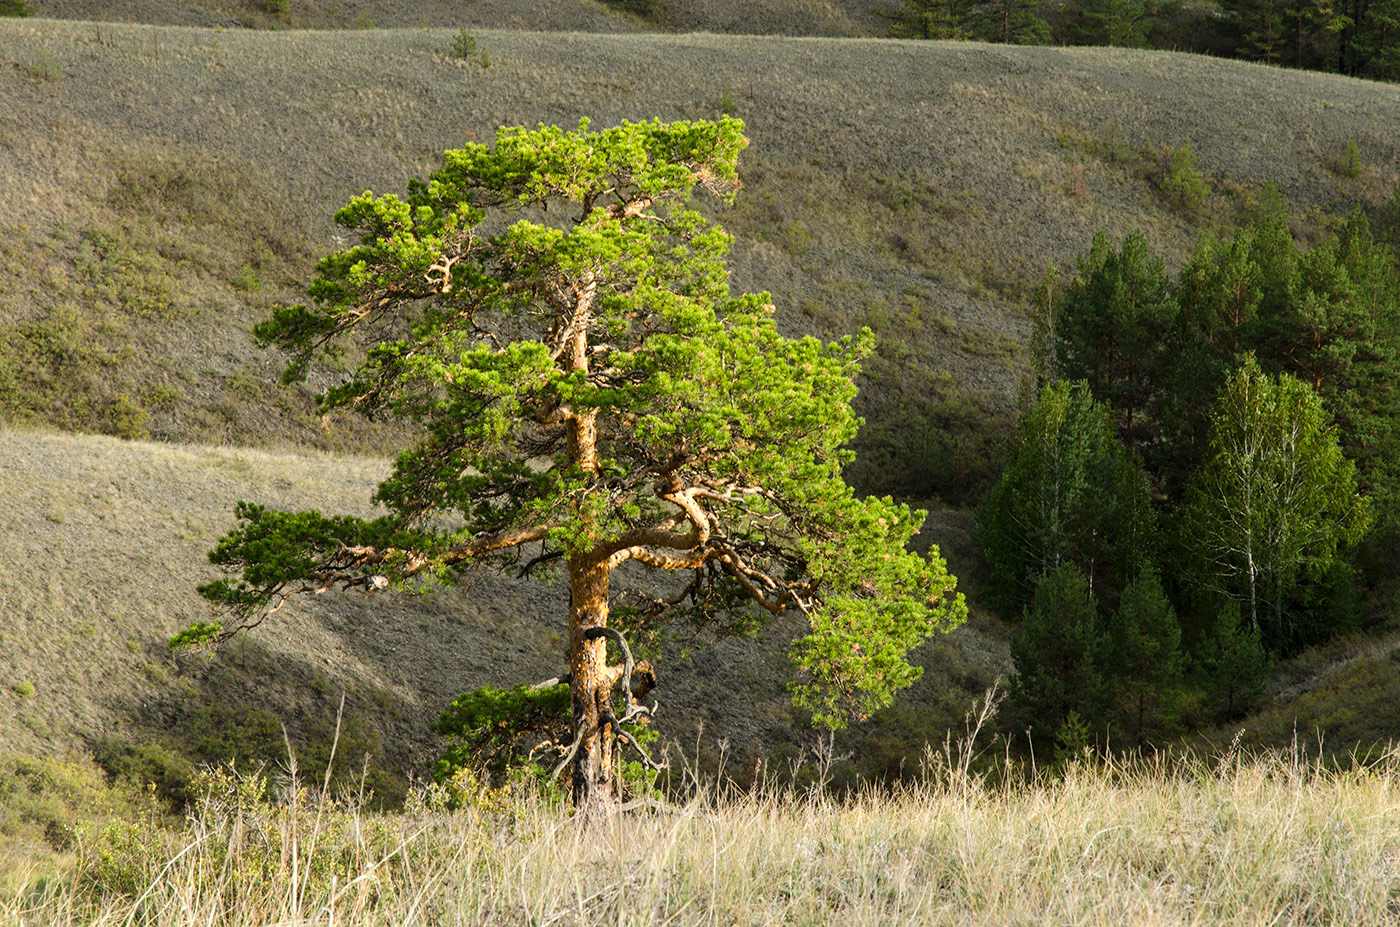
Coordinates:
x,y
1145,663
1379,43
1231,665
1112,328
1012,22
1058,653
1220,291
1355,311
1260,28
1388,224
932,19
1119,23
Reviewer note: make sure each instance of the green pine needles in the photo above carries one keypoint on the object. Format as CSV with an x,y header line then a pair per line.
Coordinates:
x,y
554,318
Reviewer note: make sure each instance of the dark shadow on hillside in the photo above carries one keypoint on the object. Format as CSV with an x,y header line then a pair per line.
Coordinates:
x,y
398,660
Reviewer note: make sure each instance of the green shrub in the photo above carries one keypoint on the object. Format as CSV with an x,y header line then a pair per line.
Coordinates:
x,y
277,7
45,67
1182,184
126,419
1074,739
48,799
640,7
251,844
1350,163
498,736
169,774
15,8
464,44
247,280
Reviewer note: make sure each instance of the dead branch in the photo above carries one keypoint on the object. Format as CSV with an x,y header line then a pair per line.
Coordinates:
x,y
573,752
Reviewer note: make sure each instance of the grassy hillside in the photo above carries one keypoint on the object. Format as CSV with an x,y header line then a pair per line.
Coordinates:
x,y
162,188
117,533
765,17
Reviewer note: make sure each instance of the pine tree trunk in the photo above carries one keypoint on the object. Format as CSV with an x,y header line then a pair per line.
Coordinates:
x,y
591,685
590,688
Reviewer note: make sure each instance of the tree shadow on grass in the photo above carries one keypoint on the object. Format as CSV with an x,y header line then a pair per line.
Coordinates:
x,y
396,660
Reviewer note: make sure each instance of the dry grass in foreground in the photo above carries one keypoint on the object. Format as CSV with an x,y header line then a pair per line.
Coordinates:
x,y
1233,841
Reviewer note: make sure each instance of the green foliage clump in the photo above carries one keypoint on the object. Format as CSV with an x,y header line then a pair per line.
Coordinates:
x,y
1161,352
1071,494
497,734
123,268
167,771
15,8
1074,740
257,838
494,730
1182,183
1107,678
46,801
248,739
1231,665
1349,165
125,418
639,7
1261,387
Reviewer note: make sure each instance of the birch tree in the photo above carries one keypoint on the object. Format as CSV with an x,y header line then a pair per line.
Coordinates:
x,y
1275,499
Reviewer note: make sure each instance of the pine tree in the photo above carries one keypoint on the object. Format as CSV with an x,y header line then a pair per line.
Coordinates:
x,y
1120,23
932,19
1114,319
1012,22
1231,665
1378,44
1260,28
1145,662
1058,653
586,391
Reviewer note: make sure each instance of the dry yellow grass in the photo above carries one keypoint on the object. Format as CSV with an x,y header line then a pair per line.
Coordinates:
x,y
1238,842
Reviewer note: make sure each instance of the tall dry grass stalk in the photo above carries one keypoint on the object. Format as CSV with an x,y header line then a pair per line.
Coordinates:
x,y
1274,840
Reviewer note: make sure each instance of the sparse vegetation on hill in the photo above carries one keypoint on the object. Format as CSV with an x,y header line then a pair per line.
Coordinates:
x,y
143,240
